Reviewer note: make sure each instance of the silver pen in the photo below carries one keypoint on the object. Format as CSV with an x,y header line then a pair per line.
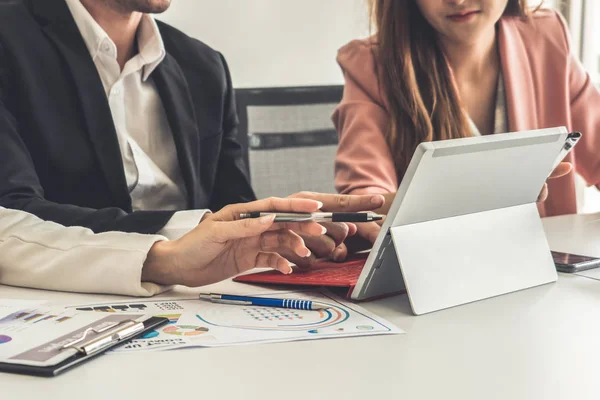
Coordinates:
x,y
317,217
570,142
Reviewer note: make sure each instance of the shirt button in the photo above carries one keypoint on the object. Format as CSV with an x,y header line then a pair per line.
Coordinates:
x,y
105,48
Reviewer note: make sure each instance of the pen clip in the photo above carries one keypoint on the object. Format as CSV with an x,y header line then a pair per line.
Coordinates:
x,y
232,302
215,298
117,332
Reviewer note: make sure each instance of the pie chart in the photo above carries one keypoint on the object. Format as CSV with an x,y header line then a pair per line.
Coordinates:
x,y
5,339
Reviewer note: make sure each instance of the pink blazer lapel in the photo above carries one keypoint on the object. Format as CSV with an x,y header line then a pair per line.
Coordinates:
x,y
518,81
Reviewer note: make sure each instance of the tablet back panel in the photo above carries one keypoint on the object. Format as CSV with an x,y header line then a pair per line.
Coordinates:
x,y
466,176
471,257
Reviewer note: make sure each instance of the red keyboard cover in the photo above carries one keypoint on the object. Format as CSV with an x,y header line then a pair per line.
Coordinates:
x,y
324,273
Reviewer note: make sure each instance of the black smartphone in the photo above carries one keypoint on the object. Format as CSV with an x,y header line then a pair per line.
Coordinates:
x,y
574,263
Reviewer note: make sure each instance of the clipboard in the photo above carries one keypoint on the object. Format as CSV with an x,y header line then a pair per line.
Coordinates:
x,y
91,343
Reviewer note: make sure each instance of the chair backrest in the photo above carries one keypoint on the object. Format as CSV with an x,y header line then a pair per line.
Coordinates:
x,y
290,138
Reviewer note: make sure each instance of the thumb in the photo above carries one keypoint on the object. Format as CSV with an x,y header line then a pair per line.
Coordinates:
x,y
243,228
369,231
561,170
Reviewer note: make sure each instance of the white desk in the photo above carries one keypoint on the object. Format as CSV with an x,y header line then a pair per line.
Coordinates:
x,y
574,234
541,343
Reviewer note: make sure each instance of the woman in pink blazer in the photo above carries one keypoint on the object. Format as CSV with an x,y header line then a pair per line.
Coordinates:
x,y
440,69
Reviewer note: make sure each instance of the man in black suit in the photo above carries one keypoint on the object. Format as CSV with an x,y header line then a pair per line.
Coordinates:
x,y
113,121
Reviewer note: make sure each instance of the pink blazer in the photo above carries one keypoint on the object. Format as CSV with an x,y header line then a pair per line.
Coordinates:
x,y
546,86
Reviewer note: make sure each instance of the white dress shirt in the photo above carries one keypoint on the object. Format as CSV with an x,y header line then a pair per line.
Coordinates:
x,y
145,139
46,255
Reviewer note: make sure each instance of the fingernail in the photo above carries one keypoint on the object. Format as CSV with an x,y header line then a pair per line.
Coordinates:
x,y
337,254
320,204
289,270
323,230
376,200
267,219
306,252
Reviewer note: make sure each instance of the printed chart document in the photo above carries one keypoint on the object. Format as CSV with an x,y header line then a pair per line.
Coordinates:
x,y
10,306
200,323
34,334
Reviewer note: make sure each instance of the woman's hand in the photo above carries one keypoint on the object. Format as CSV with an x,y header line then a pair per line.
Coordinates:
x,y
223,245
332,244
561,170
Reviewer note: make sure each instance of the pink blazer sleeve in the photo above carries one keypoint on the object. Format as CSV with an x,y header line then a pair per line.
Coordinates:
x,y
585,117
363,163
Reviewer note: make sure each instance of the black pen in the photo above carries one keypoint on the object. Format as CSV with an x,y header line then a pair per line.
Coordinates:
x,y
316,217
570,142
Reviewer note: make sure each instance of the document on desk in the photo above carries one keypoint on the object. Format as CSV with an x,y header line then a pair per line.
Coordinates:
x,y
198,323
32,333
10,306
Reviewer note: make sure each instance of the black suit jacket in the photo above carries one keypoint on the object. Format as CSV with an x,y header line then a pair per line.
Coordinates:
x,y
59,154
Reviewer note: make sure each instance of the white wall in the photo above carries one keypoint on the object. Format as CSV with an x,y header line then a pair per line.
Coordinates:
x,y
274,42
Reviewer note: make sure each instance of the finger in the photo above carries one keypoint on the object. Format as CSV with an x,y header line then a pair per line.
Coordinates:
x,y
340,253
321,246
338,231
302,262
352,228
543,194
561,170
272,204
344,203
273,260
368,231
230,230
363,240
309,228
276,241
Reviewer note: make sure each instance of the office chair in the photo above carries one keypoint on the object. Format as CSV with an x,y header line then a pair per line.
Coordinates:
x,y
290,138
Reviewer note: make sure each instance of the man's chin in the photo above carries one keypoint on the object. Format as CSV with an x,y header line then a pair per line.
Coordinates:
x,y
144,6
154,6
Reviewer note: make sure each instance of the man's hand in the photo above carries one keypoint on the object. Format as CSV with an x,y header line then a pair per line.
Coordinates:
x,y
561,170
332,244
223,245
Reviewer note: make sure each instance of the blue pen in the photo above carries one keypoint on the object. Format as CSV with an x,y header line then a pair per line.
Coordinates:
x,y
263,301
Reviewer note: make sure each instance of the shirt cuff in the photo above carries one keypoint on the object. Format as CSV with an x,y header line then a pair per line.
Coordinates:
x,y
181,223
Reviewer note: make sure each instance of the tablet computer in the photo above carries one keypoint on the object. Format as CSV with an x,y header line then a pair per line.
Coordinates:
x,y
464,223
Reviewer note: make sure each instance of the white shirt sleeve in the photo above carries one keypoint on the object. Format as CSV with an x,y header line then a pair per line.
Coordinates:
x,y
181,223
45,255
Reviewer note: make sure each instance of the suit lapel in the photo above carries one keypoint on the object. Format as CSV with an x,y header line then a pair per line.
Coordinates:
x,y
518,81
177,102
62,30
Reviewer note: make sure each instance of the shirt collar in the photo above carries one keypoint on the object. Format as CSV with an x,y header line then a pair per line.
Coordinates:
x,y
150,44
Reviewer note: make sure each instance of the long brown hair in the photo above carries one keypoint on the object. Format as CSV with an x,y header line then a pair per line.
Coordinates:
x,y
416,79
